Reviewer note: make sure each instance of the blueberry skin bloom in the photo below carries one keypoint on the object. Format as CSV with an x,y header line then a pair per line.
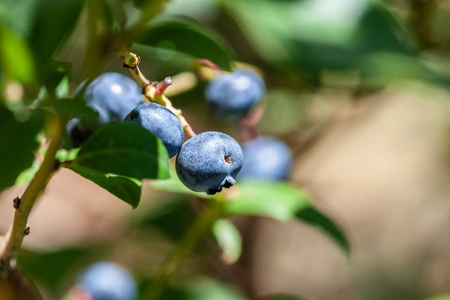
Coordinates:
x,y
266,158
161,122
108,281
209,161
113,96
232,95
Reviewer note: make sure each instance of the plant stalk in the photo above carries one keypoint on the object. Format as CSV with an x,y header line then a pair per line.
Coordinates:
x,y
174,261
16,234
131,61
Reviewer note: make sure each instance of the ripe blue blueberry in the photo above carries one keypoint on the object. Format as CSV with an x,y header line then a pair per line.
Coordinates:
x,y
232,95
77,132
161,122
106,280
266,158
209,161
113,96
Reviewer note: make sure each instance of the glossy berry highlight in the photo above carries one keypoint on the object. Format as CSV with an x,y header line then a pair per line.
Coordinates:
x,y
113,96
231,96
209,162
106,280
266,158
161,122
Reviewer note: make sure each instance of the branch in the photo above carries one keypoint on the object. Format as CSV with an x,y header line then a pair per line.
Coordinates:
x,y
153,93
23,205
174,261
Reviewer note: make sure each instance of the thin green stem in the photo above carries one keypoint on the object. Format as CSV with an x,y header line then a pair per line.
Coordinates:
x,y
174,261
131,61
15,236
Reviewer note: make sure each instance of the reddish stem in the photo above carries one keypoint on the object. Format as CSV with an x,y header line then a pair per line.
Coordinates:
x,y
163,86
249,123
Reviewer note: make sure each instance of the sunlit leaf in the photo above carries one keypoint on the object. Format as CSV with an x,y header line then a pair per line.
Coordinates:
x,y
229,240
15,57
282,201
442,297
173,184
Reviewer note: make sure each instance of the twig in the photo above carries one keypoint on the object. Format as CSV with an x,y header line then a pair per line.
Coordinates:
x,y
14,238
249,123
174,261
131,61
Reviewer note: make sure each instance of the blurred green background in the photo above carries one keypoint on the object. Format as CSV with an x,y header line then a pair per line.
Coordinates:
x,y
359,90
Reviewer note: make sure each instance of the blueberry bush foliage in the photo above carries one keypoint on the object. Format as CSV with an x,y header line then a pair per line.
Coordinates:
x,y
51,53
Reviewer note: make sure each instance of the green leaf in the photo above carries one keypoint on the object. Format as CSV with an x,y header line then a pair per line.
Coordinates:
x,y
229,239
174,185
314,217
28,174
207,289
380,68
281,297
124,149
281,201
125,188
10,9
188,38
71,108
297,33
64,155
278,200
173,217
442,297
18,144
53,22
15,57
50,269
200,288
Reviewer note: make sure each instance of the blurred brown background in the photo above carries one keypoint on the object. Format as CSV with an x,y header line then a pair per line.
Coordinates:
x,y
372,151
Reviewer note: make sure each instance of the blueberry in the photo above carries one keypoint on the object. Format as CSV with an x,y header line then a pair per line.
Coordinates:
x,y
266,158
209,161
113,96
232,95
161,122
108,281
77,132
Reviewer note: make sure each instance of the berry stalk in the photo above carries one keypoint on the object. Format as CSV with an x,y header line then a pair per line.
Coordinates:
x,y
153,93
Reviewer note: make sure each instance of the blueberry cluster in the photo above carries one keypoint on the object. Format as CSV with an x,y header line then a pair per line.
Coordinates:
x,y
231,96
112,96
206,162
